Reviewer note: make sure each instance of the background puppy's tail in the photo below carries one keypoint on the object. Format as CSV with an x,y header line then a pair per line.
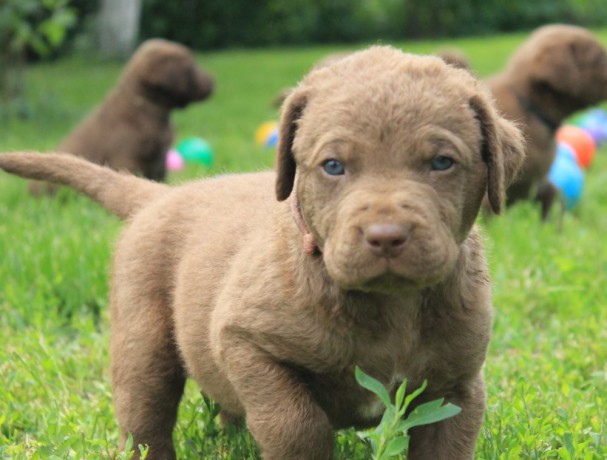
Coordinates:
x,y
120,193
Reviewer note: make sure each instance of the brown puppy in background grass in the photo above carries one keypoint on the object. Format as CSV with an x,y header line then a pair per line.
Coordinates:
x,y
131,130
559,70
361,250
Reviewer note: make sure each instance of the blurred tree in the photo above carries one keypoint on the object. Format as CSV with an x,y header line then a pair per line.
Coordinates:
x,y
118,27
36,25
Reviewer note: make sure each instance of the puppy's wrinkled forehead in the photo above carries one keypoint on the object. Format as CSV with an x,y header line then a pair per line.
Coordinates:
x,y
384,95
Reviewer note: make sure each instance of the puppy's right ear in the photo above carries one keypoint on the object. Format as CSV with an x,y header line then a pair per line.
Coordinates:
x,y
292,110
503,149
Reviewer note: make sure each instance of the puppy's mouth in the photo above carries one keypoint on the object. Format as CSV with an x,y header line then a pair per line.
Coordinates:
x,y
388,282
418,265
388,275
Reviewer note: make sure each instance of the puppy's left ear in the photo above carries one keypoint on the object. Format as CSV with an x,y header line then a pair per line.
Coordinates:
x,y
557,67
564,67
292,110
503,149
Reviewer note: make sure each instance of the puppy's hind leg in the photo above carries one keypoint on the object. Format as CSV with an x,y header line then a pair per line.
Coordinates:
x,y
147,376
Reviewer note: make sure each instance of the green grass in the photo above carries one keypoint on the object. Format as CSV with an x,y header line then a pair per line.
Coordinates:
x,y
546,370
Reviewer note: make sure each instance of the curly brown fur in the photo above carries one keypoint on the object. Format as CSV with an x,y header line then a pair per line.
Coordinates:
x,y
210,279
131,129
451,56
559,70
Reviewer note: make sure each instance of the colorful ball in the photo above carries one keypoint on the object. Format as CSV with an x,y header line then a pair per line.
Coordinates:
x,y
566,151
595,123
196,149
567,176
174,161
272,139
267,134
580,140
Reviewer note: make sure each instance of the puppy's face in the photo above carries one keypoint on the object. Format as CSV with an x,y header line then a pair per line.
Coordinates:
x,y
568,60
167,74
393,154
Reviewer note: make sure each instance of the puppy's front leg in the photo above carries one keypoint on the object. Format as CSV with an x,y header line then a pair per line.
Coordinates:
x,y
280,412
455,437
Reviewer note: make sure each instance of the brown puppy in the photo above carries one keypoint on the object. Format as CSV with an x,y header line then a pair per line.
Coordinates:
x,y
368,257
560,69
131,129
450,55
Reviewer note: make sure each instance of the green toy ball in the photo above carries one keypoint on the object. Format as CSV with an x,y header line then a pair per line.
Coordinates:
x,y
196,149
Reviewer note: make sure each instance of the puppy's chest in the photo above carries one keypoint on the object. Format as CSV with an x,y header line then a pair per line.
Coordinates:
x,y
347,403
389,359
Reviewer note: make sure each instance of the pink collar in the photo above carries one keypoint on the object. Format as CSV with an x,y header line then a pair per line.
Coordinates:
x,y
309,243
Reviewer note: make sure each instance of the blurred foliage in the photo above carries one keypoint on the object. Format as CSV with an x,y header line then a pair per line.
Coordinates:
x,y
217,24
37,25
214,24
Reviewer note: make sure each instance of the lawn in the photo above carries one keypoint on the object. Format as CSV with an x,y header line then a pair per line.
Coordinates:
x,y
547,365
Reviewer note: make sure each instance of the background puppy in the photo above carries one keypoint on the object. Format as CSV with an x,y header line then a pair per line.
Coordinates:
x,y
454,57
559,70
131,129
360,250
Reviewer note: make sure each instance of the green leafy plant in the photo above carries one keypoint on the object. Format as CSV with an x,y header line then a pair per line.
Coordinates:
x,y
128,451
37,25
390,437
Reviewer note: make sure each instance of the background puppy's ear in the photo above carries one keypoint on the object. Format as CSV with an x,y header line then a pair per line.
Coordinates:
x,y
503,149
556,67
292,110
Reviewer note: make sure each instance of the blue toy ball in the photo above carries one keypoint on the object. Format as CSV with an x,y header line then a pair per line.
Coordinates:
x,y
272,139
565,151
567,176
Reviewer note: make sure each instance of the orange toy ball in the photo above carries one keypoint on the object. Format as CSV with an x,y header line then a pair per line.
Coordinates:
x,y
580,141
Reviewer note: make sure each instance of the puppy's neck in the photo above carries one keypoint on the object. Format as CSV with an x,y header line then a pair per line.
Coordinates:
x,y
160,112
559,105
132,100
537,110
548,105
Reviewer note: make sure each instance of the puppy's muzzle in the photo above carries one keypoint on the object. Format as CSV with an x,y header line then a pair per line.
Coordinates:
x,y
384,237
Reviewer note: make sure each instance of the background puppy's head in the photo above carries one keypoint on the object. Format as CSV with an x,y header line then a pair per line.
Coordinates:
x,y
166,73
567,60
394,154
454,57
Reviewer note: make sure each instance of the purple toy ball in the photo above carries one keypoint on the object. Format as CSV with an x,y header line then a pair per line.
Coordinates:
x,y
595,123
598,133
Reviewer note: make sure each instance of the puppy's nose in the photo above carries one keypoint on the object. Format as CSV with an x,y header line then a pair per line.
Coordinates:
x,y
386,240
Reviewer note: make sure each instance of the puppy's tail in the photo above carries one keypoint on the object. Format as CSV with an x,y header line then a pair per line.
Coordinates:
x,y
121,194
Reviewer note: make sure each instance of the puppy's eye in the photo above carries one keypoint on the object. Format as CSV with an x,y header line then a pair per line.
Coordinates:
x,y
442,163
334,168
